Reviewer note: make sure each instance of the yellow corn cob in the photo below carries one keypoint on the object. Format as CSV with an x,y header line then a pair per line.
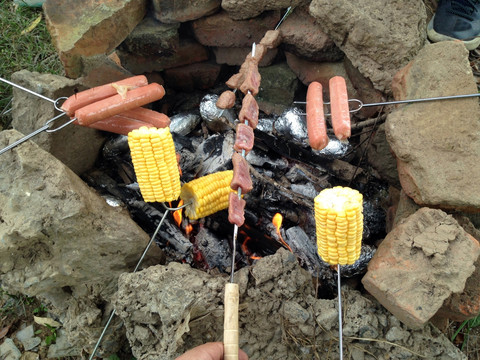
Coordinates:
x,y
339,225
155,163
207,194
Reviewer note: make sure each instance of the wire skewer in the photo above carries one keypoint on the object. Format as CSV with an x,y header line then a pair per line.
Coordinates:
x,y
112,314
340,327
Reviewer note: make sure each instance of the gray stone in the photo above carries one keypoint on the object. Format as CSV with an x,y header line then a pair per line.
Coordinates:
x,y
245,9
176,11
28,339
420,264
277,89
437,144
60,241
62,348
29,355
31,112
8,350
378,39
278,312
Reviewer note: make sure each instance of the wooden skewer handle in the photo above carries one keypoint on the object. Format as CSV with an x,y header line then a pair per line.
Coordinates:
x,y
230,325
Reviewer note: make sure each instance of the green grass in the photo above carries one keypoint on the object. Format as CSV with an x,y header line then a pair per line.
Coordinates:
x,y
31,51
466,326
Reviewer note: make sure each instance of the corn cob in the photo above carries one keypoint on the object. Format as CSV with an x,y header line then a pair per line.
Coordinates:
x,y
207,194
155,163
339,225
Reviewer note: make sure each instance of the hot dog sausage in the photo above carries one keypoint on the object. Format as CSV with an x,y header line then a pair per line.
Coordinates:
x,y
98,93
316,125
339,107
115,105
130,120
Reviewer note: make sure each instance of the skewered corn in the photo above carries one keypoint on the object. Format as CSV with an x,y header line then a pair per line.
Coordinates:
x,y
155,163
339,225
207,194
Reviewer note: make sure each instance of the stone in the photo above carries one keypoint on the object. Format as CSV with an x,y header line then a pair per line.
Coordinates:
x,y
102,69
188,52
152,37
419,264
187,78
377,39
30,112
62,348
379,155
87,27
437,143
28,339
246,9
220,30
303,36
60,241
170,309
29,355
175,11
8,350
278,88
236,56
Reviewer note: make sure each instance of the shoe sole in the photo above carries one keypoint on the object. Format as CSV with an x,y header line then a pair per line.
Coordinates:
x,y
437,37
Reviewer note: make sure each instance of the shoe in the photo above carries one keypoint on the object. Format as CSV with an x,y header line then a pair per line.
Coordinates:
x,y
456,20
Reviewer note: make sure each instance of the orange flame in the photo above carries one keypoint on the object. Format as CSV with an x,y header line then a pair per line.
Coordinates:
x,y
188,229
277,222
177,214
247,251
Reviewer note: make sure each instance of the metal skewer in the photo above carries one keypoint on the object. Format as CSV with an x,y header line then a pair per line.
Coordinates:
x,y
396,102
47,125
340,327
112,314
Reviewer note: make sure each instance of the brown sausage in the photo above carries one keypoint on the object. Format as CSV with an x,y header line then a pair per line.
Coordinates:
x,y
339,108
84,98
130,120
316,125
115,105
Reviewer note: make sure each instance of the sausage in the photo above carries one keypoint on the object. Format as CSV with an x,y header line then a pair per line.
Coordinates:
x,y
236,209
241,174
115,105
84,98
226,100
130,120
339,107
244,138
316,125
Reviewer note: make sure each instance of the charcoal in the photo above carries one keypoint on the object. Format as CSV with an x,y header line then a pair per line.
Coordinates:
x,y
215,251
360,266
291,125
184,123
216,152
115,146
173,236
307,190
260,159
214,117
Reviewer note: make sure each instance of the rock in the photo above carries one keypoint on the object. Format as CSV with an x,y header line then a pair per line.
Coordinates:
x,y
8,350
236,56
377,39
303,36
86,27
441,137
170,309
221,31
28,339
31,112
61,242
175,11
187,52
419,264
277,89
152,37
200,76
102,69
28,355
406,207
62,348
246,9
380,156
